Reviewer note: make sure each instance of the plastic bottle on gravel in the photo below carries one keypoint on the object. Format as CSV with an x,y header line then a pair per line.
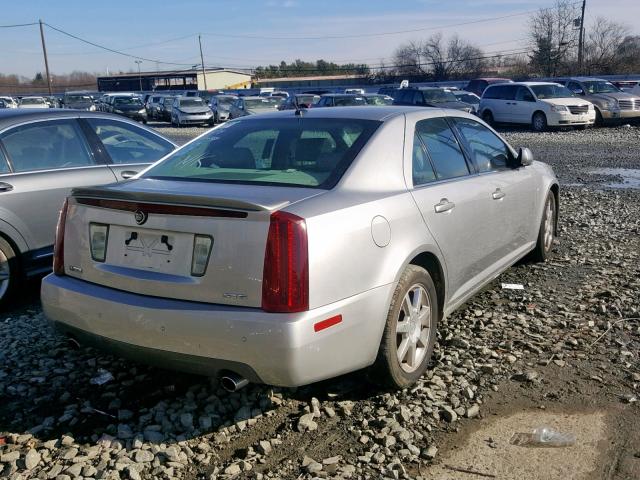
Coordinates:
x,y
543,437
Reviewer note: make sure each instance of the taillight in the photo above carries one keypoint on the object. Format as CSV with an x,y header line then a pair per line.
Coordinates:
x,y
285,281
58,246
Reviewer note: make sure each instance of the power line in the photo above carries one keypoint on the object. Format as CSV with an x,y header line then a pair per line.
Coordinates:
x,y
118,52
19,25
379,34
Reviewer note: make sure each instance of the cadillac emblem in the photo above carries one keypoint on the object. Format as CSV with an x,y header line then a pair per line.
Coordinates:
x,y
140,217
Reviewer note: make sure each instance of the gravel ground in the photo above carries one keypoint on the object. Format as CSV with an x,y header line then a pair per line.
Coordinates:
x,y
568,342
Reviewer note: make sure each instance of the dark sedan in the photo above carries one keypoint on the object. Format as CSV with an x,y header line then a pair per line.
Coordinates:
x,y
43,155
130,107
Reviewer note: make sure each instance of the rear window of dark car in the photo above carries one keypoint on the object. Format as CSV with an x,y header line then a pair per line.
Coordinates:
x,y
313,152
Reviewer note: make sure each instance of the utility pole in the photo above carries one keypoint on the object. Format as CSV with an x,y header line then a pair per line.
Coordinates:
x,y
139,74
581,38
46,60
204,72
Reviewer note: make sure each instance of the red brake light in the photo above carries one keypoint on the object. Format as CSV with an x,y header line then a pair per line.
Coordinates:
x,y
58,246
285,280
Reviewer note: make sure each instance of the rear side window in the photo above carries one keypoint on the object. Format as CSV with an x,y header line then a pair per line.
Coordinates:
x,y
489,152
443,148
422,170
127,143
313,152
501,92
4,166
47,145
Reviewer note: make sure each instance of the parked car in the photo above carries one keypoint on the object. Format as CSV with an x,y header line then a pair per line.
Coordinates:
x,y
46,153
33,102
540,104
340,100
357,91
220,105
429,97
166,105
478,85
377,99
390,91
285,250
153,106
10,102
253,105
190,111
78,101
610,102
130,107
299,100
469,98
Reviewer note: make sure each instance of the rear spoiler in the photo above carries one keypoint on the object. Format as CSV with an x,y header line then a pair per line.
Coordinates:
x,y
106,193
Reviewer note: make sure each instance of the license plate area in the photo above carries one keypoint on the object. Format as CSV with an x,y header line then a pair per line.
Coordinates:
x,y
159,251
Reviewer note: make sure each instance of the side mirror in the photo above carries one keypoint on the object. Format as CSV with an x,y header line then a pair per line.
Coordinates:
x,y
525,157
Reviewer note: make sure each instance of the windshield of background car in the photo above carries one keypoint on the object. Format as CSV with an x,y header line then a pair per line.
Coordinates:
x,y
379,100
191,102
306,152
439,96
78,98
307,99
225,101
32,101
600,87
265,102
348,101
551,91
465,97
127,101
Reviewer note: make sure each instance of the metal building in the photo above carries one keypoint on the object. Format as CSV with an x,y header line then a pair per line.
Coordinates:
x,y
192,79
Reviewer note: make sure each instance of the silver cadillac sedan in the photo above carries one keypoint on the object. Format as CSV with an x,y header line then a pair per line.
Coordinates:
x,y
295,246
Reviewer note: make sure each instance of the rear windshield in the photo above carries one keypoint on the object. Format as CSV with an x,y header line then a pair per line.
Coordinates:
x,y
77,98
32,101
192,102
551,91
379,100
312,152
266,102
349,101
127,101
437,96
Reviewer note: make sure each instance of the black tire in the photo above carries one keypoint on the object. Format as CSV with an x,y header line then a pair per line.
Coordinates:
x,y
539,122
9,272
544,246
387,369
599,120
487,116
582,127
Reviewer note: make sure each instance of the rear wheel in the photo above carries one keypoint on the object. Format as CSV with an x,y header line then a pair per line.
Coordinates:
x,y
599,119
9,271
547,231
539,122
410,331
487,116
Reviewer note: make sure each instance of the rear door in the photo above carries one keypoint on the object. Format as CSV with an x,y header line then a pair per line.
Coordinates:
x,y
128,148
512,190
47,159
455,203
523,105
504,104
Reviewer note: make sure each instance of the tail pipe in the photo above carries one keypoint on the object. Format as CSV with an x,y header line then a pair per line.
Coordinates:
x,y
232,382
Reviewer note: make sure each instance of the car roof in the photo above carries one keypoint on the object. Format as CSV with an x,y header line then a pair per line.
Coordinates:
x,y
341,95
490,79
379,113
463,92
14,116
586,79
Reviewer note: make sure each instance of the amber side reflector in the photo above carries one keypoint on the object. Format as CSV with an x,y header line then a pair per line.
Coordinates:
x,y
329,322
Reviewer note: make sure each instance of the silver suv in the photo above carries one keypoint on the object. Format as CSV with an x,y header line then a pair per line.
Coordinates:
x,y
611,103
43,155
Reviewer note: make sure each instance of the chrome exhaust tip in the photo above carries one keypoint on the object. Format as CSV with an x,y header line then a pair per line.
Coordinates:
x,y
232,382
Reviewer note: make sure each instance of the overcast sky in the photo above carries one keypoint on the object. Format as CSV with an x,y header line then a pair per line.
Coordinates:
x,y
168,32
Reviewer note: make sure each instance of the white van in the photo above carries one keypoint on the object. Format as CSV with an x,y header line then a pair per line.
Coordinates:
x,y
540,104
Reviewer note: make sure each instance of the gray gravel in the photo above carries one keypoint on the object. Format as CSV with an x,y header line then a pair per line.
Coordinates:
x,y
577,309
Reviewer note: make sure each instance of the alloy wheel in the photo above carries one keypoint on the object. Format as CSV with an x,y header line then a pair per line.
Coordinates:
x,y
549,222
413,328
5,274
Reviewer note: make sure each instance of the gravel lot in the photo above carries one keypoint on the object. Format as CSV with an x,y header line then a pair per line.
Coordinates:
x,y
566,344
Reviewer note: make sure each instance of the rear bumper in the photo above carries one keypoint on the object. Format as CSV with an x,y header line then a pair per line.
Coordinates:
x,y
277,349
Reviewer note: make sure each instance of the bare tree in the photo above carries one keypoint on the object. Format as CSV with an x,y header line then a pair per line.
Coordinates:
x,y
602,45
408,59
629,54
553,38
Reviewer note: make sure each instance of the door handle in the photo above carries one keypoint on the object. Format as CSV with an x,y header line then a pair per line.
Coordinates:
x,y
128,174
444,206
5,187
498,194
